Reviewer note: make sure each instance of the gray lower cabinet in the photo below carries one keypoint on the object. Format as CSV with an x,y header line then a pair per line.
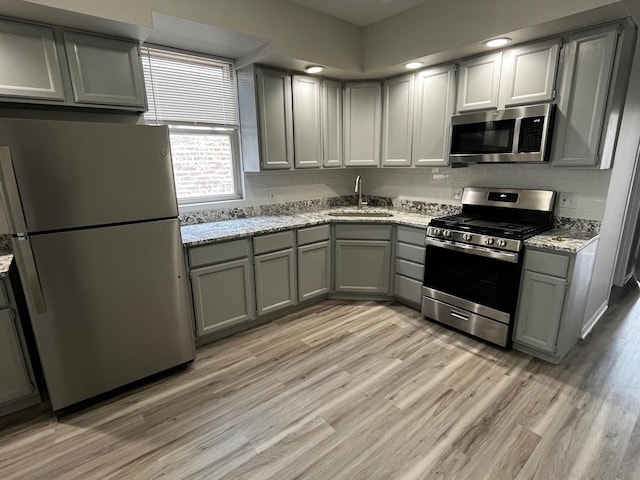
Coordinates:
x,y
275,280
552,301
17,384
409,265
314,270
221,285
363,266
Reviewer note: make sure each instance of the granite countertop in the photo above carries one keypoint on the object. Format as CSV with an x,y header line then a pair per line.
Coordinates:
x,y
5,262
562,240
205,233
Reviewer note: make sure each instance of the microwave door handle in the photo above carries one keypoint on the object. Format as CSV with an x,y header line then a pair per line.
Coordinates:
x,y
11,194
516,136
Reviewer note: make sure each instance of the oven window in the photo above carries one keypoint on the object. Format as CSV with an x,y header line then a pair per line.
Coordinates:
x,y
489,282
485,137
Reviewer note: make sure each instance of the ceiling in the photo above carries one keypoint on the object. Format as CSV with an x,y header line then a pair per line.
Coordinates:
x,y
360,12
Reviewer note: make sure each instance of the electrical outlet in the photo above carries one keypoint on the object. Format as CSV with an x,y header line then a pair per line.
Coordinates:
x,y
272,195
456,193
568,200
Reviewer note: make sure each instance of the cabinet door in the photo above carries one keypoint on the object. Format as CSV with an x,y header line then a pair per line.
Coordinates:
x,y
314,269
275,118
479,83
307,140
29,62
222,295
15,383
582,101
529,74
397,121
434,103
332,123
363,266
362,124
275,280
105,71
539,310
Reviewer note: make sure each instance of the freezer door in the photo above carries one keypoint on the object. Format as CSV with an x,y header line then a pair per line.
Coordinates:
x,y
79,174
108,306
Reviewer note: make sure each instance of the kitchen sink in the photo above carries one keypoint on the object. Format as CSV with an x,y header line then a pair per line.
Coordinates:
x,y
360,213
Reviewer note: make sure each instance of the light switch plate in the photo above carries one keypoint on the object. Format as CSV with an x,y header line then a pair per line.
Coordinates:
x,y
456,193
272,196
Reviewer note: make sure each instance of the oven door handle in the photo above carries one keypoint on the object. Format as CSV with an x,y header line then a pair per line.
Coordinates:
x,y
473,250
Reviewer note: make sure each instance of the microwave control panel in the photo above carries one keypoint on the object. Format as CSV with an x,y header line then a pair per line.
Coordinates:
x,y
531,130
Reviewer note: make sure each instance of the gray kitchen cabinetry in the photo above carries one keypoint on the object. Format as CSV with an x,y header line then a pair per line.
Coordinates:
x,y
44,65
222,285
362,259
433,105
517,76
478,83
307,120
17,385
397,121
362,124
275,271
314,262
409,268
589,99
275,119
551,305
331,110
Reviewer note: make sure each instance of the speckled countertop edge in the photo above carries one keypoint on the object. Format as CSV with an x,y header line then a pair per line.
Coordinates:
x,y
564,240
5,263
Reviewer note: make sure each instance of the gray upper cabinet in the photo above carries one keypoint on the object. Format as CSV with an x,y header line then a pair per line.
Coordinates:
x,y
307,121
362,124
29,60
397,121
582,98
434,103
275,119
104,71
529,74
331,123
479,83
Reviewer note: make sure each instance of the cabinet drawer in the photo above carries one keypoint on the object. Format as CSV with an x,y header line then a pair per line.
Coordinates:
x,y
273,242
313,234
410,252
408,289
218,252
413,236
410,269
548,263
363,232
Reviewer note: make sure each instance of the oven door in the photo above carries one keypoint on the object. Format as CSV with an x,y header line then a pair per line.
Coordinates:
x,y
480,280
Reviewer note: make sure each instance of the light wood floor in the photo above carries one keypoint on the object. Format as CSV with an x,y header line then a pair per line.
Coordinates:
x,y
357,390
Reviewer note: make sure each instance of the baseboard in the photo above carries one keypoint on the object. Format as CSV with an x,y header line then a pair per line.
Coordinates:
x,y
587,327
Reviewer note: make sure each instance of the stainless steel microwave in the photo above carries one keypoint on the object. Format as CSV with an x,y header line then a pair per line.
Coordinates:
x,y
512,135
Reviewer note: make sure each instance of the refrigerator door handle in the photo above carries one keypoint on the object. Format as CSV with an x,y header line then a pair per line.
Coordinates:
x,y
29,272
11,194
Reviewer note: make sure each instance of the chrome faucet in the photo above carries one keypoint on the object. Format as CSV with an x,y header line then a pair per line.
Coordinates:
x,y
358,190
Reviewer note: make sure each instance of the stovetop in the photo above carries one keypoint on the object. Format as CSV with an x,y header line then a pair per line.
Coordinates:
x,y
490,226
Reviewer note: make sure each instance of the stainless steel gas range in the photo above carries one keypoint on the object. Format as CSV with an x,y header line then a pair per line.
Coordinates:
x,y
474,259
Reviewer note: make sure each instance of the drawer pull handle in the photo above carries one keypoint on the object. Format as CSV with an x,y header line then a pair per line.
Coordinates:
x,y
459,316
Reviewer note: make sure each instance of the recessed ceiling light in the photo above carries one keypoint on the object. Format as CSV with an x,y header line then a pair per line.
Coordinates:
x,y
314,69
497,42
413,65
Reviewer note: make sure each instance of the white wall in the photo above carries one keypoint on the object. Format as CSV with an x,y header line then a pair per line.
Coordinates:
x,y
435,185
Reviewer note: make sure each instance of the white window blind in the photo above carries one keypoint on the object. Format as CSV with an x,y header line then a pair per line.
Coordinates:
x,y
189,88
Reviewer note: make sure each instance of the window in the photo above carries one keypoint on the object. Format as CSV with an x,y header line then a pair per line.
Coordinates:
x,y
196,97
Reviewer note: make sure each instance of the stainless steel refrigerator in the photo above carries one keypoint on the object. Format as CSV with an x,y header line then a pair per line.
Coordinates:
x,y
93,215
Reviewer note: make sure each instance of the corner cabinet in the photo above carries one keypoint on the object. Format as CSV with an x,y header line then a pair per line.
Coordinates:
x,y
221,286
332,134
362,124
50,66
397,121
552,301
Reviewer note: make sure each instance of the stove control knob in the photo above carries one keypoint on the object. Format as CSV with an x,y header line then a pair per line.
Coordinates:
x,y
436,231
489,241
466,236
502,243
446,233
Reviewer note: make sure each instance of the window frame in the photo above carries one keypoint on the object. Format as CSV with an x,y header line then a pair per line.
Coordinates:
x,y
233,132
